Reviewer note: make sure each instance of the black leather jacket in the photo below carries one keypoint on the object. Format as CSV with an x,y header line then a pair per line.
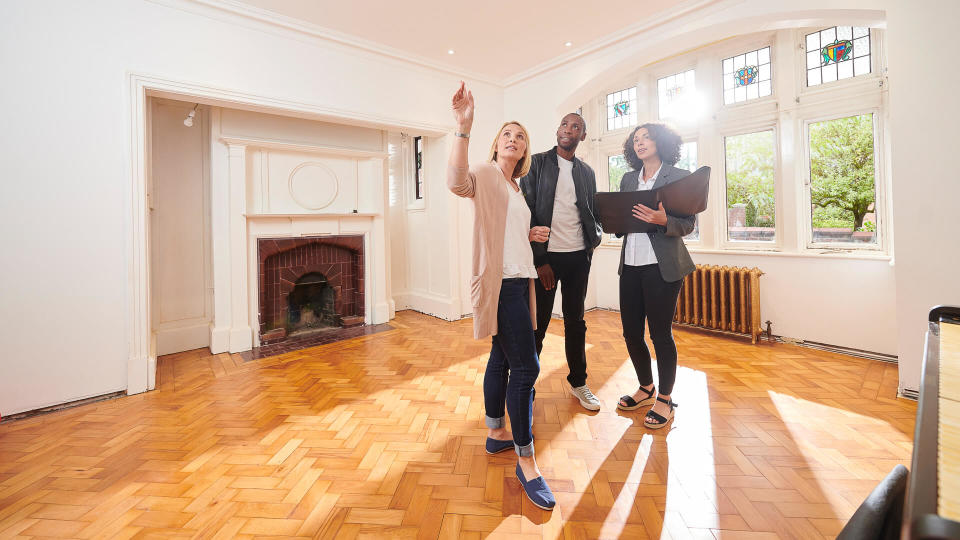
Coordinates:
x,y
540,187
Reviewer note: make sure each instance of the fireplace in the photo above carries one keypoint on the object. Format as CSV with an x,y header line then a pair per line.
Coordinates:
x,y
309,285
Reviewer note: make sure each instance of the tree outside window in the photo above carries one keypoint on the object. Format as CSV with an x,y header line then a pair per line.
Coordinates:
x,y
842,180
751,208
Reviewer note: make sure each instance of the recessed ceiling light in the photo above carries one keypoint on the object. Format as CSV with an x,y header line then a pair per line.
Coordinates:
x,y
568,44
450,51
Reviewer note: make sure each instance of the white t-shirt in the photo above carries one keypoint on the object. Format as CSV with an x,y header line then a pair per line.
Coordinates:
x,y
638,250
517,254
566,231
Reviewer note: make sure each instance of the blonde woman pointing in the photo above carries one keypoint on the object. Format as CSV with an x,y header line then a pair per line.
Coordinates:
x,y
501,286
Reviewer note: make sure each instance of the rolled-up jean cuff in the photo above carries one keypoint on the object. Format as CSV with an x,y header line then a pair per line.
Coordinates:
x,y
494,423
524,451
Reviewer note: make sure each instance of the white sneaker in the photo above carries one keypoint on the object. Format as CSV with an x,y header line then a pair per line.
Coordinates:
x,y
586,397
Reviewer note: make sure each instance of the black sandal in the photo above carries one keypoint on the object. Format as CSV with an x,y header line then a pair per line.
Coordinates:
x,y
632,404
660,420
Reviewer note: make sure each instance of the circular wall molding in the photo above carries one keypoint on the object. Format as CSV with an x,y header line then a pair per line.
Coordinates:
x,y
313,185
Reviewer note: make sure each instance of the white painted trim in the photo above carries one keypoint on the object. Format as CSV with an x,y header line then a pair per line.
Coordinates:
x,y
232,99
219,339
141,356
290,25
313,215
139,361
306,148
443,307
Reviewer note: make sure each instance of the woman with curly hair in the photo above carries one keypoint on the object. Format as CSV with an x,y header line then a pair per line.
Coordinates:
x,y
652,268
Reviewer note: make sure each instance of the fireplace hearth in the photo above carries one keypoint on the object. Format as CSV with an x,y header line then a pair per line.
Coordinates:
x,y
309,285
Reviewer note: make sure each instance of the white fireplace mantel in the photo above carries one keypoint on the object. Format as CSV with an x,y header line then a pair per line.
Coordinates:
x,y
345,194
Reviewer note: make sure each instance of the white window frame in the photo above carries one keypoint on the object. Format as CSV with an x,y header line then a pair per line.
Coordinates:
x,y
879,206
787,111
778,226
408,151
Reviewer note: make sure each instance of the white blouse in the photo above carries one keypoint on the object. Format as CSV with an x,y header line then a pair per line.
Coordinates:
x,y
517,254
638,250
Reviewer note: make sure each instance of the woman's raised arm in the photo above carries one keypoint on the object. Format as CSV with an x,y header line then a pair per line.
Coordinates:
x,y
459,179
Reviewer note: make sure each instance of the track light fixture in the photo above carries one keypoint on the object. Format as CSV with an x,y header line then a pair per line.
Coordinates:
x,y
188,121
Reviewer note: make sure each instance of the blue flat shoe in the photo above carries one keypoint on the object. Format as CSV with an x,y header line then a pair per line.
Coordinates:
x,y
495,446
537,491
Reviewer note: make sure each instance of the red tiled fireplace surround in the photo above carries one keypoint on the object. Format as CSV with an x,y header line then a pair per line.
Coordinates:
x,y
282,261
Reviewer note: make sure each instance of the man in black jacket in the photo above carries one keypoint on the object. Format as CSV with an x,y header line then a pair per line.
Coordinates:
x,y
559,190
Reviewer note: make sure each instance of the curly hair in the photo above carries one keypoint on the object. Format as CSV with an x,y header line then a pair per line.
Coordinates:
x,y
667,140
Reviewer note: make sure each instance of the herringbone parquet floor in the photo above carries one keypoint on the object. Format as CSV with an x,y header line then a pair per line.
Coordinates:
x,y
382,437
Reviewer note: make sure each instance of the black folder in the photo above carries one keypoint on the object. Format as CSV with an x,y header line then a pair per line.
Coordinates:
x,y
684,197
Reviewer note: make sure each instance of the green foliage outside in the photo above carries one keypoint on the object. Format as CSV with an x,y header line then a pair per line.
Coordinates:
x,y
750,161
842,173
616,168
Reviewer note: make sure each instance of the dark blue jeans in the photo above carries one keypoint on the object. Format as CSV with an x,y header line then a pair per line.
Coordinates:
x,y
513,366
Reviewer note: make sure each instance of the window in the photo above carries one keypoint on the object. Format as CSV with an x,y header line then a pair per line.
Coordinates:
x,y
676,94
418,165
837,53
829,196
746,76
622,109
688,156
842,184
688,161
616,168
750,193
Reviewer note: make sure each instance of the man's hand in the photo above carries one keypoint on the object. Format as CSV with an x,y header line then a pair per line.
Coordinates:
x,y
539,234
547,278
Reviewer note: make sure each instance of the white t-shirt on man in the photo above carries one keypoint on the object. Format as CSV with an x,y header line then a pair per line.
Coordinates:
x,y
566,231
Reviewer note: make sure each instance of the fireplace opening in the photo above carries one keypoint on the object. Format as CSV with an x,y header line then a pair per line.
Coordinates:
x,y
311,304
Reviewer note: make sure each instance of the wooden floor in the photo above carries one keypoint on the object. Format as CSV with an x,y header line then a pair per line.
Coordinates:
x,y
382,436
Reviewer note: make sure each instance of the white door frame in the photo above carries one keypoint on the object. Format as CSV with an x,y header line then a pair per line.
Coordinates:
x,y
142,358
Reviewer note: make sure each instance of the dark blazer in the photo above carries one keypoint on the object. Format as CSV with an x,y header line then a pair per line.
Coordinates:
x,y
672,255
540,188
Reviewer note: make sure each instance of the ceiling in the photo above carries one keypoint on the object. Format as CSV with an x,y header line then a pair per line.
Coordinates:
x,y
496,40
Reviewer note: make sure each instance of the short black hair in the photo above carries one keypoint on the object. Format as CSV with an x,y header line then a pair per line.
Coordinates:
x,y
667,140
582,120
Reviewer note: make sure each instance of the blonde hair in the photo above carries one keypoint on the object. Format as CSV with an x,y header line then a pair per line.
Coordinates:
x,y
523,166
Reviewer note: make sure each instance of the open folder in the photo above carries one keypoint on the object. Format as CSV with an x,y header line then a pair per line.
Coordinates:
x,y
682,198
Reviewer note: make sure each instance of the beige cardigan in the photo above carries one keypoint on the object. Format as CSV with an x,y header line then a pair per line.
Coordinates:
x,y
485,185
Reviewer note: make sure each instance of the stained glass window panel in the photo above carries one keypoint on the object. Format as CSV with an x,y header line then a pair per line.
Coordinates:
x,y
747,76
837,53
675,93
622,109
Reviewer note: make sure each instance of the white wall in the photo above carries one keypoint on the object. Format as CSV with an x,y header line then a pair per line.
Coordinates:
x,y
926,187
426,241
182,291
846,302
67,175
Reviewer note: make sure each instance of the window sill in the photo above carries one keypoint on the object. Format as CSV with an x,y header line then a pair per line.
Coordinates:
x,y
808,254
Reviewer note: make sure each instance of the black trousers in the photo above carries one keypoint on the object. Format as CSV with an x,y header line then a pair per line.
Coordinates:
x,y
571,271
644,295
